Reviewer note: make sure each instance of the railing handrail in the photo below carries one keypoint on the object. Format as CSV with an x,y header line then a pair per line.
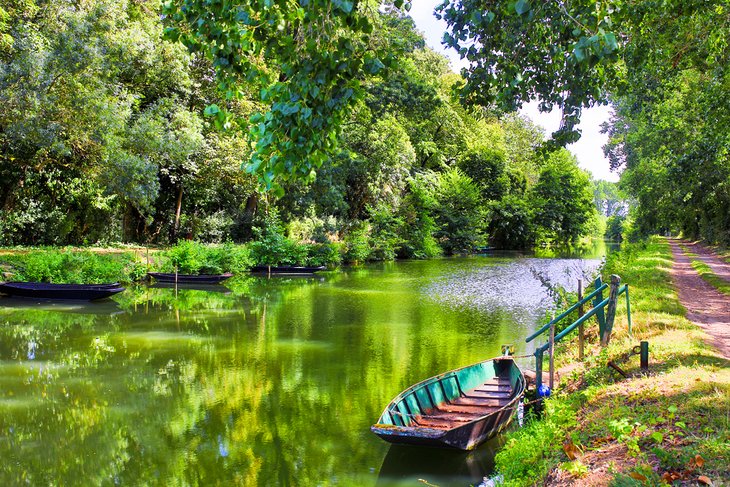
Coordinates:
x,y
565,313
539,351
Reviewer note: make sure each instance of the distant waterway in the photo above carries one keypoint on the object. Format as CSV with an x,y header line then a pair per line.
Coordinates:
x,y
262,381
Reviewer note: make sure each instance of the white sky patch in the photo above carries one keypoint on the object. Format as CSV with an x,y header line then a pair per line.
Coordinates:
x,y
588,150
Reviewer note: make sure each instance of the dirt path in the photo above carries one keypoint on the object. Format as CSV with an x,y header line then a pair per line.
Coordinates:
x,y
718,266
706,306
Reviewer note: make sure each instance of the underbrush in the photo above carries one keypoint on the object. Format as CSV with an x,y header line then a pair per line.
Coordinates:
x,y
72,266
668,427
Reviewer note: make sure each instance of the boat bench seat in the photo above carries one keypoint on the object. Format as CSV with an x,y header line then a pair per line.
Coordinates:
x,y
478,402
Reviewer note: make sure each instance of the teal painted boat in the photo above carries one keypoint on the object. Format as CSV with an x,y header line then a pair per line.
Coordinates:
x,y
458,409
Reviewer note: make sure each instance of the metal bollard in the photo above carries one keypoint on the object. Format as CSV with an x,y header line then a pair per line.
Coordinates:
x,y
644,354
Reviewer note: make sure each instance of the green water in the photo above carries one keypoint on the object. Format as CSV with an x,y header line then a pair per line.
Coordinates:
x,y
262,382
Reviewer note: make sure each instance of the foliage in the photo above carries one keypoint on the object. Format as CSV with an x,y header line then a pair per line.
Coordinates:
x,y
529,453
316,56
511,224
189,257
103,136
615,227
459,214
564,204
385,236
357,245
418,226
69,266
568,60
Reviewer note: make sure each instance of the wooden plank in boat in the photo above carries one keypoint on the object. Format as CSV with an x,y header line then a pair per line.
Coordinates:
x,y
476,401
468,408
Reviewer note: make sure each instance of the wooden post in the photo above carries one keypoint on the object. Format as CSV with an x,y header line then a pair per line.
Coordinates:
x,y
611,311
600,316
581,330
552,355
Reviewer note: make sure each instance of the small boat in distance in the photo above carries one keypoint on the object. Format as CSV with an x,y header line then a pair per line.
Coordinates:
x,y
190,278
458,409
44,290
286,269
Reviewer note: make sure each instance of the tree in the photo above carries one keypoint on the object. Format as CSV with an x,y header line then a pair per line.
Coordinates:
x,y
315,57
563,199
459,213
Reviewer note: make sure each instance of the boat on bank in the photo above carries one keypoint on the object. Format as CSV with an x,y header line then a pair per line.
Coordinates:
x,y
286,269
189,278
459,409
44,290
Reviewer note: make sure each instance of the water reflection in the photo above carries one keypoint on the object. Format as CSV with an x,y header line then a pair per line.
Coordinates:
x,y
274,383
411,466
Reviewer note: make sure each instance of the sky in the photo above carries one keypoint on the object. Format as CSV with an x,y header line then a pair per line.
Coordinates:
x,y
588,150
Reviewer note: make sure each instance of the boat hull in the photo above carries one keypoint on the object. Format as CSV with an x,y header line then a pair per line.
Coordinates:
x,y
444,411
189,278
283,270
71,292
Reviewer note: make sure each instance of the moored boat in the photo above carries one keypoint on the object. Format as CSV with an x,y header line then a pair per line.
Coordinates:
x,y
459,409
190,278
43,290
286,269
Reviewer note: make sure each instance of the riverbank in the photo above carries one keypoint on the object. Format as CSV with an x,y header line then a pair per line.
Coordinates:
x,y
600,428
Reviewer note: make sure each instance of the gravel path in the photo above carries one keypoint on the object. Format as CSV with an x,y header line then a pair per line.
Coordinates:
x,y
706,306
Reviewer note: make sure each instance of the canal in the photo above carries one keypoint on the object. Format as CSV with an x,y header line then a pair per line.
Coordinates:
x,y
261,382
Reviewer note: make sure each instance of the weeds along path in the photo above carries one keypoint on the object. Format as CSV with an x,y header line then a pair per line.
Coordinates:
x,y
706,306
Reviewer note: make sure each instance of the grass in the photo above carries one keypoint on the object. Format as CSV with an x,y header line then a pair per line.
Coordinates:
x,y
670,426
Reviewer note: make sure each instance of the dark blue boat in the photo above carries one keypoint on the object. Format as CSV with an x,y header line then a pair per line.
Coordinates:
x,y
189,278
44,290
286,269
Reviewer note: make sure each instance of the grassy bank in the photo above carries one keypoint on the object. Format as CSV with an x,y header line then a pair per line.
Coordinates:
x,y
599,428
98,265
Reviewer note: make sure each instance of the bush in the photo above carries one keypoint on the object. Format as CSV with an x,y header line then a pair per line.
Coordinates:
x,y
385,227
511,225
417,224
74,267
615,227
357,244
189,257
459,212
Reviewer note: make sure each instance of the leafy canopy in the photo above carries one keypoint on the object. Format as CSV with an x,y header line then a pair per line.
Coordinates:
x,y
307,59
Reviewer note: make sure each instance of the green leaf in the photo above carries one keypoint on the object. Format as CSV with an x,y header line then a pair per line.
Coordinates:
x,y
611,42
211,110
522,7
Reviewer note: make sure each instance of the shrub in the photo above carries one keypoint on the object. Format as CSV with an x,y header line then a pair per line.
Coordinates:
x,y
417,223
74,267
190,257
459,212
357,245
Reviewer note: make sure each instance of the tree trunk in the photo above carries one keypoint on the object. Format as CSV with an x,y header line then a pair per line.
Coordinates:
x,y
178,208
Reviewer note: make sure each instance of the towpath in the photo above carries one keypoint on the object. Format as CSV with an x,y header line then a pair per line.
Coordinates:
x,y
706,306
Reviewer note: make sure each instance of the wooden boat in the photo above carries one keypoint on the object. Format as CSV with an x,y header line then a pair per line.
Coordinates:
x,y
190,278
458,409
43,290
286,269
